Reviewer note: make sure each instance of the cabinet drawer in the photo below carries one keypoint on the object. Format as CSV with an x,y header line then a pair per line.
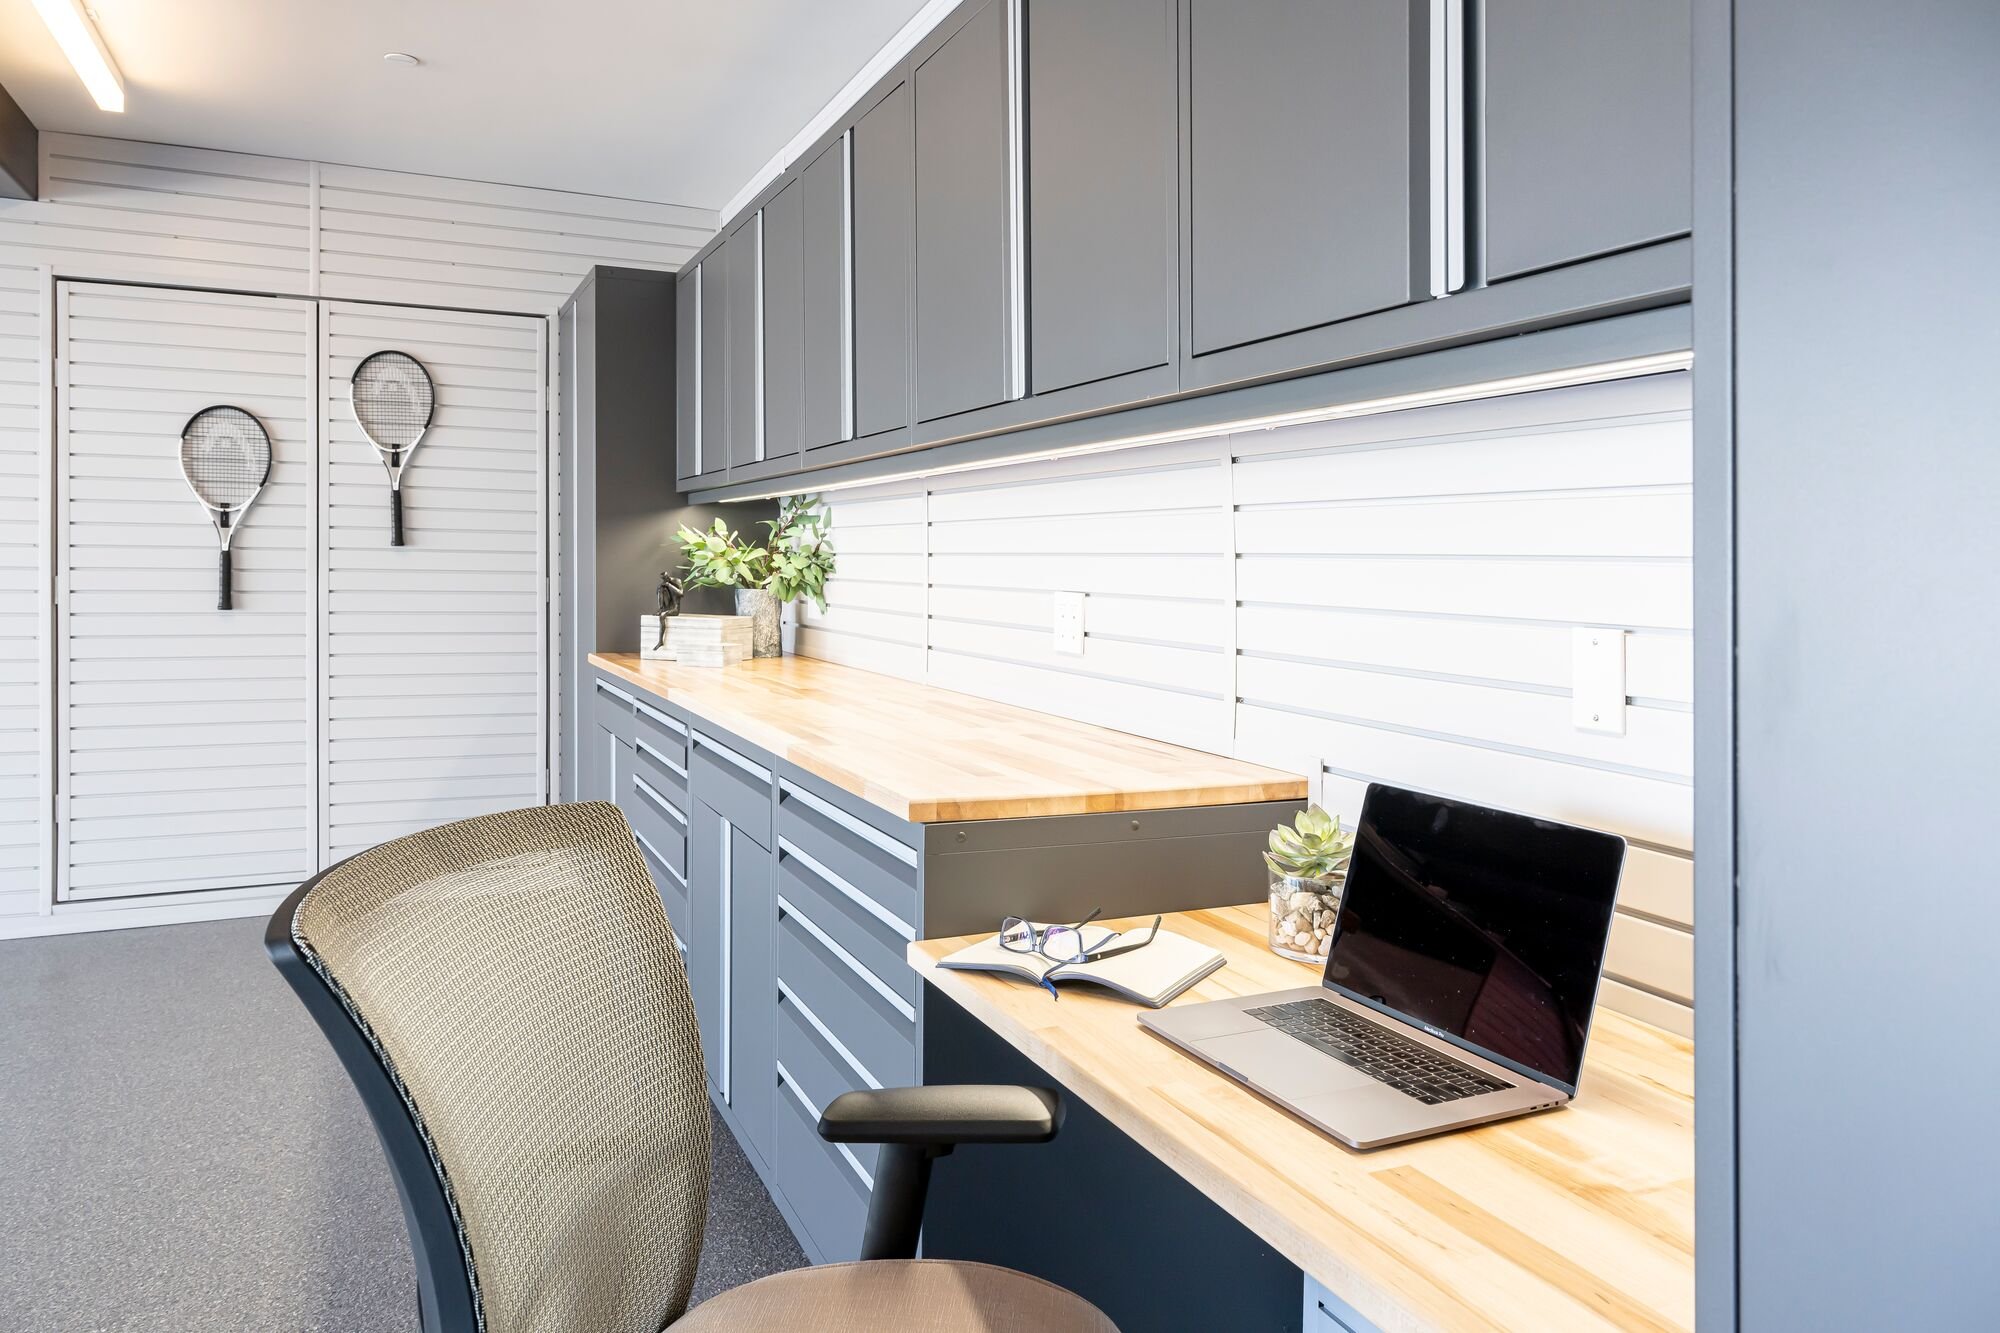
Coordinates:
x,y
824,1185
662,732
613,708
658,819
855,920
876,1025
737,788
882,867
812,1058
672,887
665,770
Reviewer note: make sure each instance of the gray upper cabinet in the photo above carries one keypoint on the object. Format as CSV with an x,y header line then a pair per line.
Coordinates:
x,y
1101,189
1302,165
1585,128
965,220
687,374
883,208
745,346
826,371
714,299
784,323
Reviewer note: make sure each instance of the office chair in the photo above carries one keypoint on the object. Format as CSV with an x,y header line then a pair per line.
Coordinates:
x,y
507,997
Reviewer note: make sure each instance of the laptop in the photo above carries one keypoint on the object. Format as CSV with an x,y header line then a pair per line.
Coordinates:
x,y
1458,987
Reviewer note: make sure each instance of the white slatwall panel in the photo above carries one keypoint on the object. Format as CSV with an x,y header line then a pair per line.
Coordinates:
x,y
386,235
1384,597
434,680
187,755
22,522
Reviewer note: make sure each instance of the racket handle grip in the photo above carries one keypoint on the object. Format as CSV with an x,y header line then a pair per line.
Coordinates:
x,y
222,580
395,516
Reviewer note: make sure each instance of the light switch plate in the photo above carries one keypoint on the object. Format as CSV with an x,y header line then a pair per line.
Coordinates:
x,y
1069,623
1597,680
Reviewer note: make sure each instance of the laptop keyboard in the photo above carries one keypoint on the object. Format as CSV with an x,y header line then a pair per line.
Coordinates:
x,y
1407,1066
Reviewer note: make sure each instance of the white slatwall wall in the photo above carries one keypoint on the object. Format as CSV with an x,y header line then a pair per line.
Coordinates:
x,y
122,211
1383,597
433,653
187,753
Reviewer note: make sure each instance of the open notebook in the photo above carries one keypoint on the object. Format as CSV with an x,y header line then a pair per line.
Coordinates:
x,y
1151,976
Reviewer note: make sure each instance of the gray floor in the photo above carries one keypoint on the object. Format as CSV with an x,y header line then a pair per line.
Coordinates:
x,y
179,1150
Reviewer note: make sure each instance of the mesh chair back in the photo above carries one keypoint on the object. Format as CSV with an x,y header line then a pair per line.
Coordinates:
x,y
517,977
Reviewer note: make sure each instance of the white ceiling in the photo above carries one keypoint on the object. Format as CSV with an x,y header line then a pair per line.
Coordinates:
x,y
678,101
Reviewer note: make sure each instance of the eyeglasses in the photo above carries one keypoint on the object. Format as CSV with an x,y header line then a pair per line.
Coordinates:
x,y
1063,945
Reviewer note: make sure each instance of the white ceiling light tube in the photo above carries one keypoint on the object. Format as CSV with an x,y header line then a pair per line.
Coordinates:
x,y
79,40
1657,364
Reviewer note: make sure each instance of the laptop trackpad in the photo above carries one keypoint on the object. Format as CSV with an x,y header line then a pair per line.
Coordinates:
x,y
1282,1065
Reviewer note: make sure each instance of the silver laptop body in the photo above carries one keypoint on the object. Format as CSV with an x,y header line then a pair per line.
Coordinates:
x,y
1474,935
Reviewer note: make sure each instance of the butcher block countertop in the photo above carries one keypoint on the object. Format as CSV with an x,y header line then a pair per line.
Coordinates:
x,y
1580,1219
930,755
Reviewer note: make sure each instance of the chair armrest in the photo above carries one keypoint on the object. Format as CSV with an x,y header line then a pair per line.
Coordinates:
x,y
947,1114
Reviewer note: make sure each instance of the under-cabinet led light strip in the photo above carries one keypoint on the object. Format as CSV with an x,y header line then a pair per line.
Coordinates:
x,y
1632,367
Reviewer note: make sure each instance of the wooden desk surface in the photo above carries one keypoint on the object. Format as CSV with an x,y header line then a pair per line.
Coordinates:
x,y
1574,1219
929,755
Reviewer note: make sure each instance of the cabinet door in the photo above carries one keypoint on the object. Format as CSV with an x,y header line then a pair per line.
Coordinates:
x,y
883,189
709,849
1300,159
965,299
687,374
713,295
1585,127
784,322
745,372
753,988
826,406
1101,189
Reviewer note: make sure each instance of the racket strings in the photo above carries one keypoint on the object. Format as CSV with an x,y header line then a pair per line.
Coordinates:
x,y
226,457
393,401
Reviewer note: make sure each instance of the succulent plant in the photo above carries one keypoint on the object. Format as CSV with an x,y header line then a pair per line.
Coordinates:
x,y
1312,846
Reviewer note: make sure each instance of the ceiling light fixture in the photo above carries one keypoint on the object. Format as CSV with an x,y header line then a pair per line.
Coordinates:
x,y
79,40
1631,367
400,58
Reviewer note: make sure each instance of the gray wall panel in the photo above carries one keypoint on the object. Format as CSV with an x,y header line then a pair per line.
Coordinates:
x,y
1867,632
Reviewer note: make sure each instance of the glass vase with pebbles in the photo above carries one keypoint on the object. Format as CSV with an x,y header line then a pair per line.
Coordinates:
x,y
1308,861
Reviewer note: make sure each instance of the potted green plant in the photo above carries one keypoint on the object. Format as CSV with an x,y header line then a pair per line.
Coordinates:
x,y
720,558
800,550
1308,860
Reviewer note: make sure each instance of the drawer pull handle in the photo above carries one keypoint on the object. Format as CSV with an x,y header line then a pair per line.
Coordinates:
x,y
645,789
678,771
901,851
826,1034
848,891
665,864
669,723
785,1077
618,694
854,965
757,771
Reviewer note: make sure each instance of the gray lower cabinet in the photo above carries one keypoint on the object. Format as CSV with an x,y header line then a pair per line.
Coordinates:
x,y
1303,138
965,326
883,213
709,847
752,990
1101,206
1585,128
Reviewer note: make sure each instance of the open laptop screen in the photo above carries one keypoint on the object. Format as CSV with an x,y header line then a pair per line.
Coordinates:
x,y
1482,926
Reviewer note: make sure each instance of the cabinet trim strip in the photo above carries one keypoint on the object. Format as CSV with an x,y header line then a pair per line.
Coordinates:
x,y
725,902
836,881
669,723
853,964
647,790
826,1034
679,879
785,1077
617,693
639,743
721,751
900,850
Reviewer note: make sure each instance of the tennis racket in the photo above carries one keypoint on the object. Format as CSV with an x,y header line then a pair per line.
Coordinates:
x,y
392,398
226,458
